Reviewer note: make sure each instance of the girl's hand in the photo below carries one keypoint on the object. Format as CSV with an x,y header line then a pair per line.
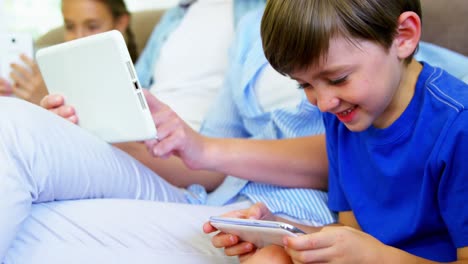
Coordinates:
x,y
27,81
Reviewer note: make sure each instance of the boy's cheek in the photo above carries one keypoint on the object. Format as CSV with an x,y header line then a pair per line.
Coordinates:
x,y
311,97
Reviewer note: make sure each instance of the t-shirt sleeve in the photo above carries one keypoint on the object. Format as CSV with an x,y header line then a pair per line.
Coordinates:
x,y
453,187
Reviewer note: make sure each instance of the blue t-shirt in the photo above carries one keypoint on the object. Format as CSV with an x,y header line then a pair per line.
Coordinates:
x,y
407,184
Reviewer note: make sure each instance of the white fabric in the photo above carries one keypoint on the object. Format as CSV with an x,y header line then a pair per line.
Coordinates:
x,y
45,158
189,76
274,90
117,231
51,173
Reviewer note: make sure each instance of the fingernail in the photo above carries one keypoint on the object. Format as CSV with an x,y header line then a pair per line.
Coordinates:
x,y
285,241
55,99
248,246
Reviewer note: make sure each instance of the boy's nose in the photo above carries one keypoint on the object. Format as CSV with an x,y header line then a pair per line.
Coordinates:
x,y
326,102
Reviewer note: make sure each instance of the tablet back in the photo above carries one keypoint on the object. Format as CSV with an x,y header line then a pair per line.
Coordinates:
x,y
96,76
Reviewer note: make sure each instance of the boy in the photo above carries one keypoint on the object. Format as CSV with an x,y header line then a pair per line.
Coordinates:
x,y
396,134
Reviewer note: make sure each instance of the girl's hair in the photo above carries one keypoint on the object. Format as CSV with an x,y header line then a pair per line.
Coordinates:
x,y
118,8
296,34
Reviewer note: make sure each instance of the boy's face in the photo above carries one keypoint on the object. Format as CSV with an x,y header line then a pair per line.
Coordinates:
x,y
359,83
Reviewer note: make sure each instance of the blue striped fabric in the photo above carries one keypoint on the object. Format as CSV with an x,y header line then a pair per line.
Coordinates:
x,y
237,113
302,204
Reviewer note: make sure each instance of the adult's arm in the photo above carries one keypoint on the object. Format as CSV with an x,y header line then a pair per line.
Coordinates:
x,y
172,169
297,162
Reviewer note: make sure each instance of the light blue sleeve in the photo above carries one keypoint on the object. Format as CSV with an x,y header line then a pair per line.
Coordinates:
x,y
224,119
454,63
242,7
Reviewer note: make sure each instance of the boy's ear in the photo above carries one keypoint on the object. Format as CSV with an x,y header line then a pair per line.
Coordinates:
x,y
122,23
408,35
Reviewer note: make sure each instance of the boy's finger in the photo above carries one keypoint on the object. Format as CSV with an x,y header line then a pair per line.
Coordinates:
x,y
208,228
239,249
258,211
318,256
318,240
237,214
223,240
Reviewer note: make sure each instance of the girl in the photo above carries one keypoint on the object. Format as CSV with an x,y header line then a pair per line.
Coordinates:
x,y
81,18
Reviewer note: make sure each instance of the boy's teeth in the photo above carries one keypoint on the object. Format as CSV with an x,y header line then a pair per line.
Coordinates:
x,y
347,112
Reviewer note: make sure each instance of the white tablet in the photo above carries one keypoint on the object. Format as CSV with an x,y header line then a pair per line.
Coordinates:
x,y
96,76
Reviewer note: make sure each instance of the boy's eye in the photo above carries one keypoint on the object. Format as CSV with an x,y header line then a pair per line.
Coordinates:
x,y
338,81
302,86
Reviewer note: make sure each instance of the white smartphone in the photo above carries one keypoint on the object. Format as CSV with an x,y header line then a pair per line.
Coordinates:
x,y
259,232
12,45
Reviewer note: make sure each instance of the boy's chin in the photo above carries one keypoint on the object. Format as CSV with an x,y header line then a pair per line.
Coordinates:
x,y
357,127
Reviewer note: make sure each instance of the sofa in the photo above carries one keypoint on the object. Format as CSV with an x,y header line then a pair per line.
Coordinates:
x,y
444,24
142,24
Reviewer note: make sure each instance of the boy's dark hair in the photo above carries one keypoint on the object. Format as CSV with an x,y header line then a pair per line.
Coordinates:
x,y
297,33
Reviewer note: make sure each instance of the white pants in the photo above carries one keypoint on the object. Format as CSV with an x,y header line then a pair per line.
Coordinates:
x,y
44,158
117,231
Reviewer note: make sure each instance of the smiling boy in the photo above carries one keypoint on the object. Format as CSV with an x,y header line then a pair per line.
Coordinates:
x,y
396,132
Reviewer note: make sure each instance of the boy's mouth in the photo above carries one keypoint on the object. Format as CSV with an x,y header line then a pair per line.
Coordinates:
x,y
346,115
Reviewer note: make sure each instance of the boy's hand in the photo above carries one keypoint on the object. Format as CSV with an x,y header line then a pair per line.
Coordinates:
x,y
27,81
334,244
56,104
175,137
231,243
